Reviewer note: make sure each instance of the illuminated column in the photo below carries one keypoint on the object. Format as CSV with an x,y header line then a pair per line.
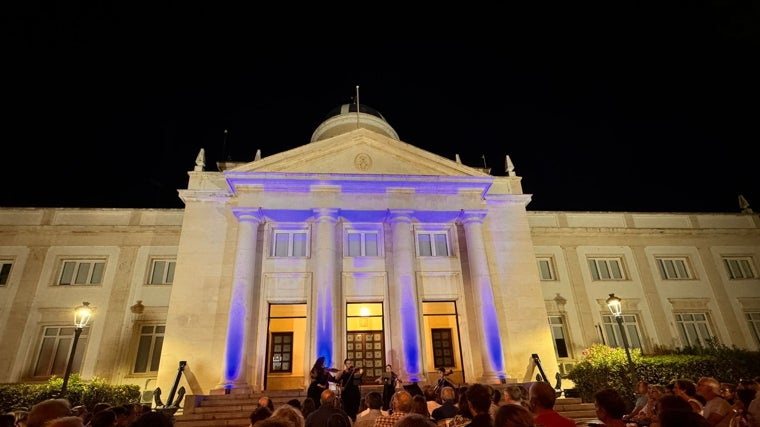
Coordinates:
x,y
404,291
480,278
325,283
241,303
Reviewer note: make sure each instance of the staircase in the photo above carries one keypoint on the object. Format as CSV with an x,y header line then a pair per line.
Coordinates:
x,y
232,410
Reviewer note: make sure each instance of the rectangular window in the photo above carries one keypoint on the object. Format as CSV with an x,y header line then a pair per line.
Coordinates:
x,y
290,243
753,319
612,330
606,269
162,272
559,334
55,350
82,272
740,267
5,272
674,268
282,352
362,243
693,328
443,348
546,268
149,349
433,244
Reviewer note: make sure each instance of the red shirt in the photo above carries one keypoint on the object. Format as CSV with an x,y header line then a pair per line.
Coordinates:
x,y
552,418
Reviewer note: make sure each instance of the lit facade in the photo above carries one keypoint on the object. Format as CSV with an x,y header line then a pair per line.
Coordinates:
x,y
360,245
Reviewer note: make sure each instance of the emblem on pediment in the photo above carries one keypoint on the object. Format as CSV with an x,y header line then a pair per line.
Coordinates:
x,y
363,161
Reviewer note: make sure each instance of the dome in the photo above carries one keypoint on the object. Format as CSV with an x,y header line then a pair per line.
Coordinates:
x,y
345,118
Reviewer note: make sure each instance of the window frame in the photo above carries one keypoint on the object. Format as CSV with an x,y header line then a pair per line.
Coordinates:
x,y
362,231
167,276
96,270
6,268
740,267
562,327
432,233
594,262
59,344
753,322
291,232
551,269
445,343
674,268
683,333
630,325
153,349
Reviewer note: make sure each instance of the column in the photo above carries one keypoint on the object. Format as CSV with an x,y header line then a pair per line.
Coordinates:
x,y
480,278
404,291
242,310
326,285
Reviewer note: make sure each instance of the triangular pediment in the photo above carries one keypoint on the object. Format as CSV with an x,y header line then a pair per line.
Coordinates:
x,y
358,152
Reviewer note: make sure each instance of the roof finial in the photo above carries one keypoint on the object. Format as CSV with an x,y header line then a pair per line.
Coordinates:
x,y
509,168
744,205
258,155
458,160
200,161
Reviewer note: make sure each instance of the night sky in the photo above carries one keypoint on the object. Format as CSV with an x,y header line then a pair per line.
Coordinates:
x,y
649,110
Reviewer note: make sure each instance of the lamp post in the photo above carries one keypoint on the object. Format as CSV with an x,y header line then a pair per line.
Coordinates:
x,y
616,308
82,315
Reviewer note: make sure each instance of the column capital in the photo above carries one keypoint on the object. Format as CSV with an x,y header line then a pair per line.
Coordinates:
x,y
400,215
248,214
475,215
326,214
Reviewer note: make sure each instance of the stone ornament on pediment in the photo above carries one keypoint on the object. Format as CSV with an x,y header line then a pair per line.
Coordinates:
x,y
363,162
629,305
688,303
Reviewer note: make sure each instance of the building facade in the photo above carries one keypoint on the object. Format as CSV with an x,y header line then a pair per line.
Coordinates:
x,y
359,245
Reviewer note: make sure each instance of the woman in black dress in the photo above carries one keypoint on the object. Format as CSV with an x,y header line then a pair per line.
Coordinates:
x,y
320,380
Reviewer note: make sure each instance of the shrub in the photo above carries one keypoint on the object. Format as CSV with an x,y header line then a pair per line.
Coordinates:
x,y
78,392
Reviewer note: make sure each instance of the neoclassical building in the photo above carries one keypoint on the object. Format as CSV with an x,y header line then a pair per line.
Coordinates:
x,y
359,245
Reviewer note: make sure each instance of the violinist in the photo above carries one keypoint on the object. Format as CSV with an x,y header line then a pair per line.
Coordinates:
x,y
390,382
321,377
350,379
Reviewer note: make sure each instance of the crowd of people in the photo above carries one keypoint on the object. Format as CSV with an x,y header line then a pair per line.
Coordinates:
x,y
701,403
60,413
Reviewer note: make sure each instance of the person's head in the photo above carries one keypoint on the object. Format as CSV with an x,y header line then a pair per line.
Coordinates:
x,y
348,363
744,397
479,397
266,401
48,410
258,414
308,406
327,398
429,392
295,403
388,368
419,405
513,394
80,411
684,388
642,387
747,383
542,395
670,403
21,417
275,422
727,390
513,416
69,421
609,405
496,396
402,401
291,413
464,405
414,420
708,387
320,363
374,400
153,419
448,394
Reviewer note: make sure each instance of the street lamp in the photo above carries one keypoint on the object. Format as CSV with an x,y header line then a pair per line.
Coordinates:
x,y
616,308
82,315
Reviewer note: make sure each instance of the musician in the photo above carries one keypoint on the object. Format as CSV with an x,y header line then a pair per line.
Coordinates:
x,y
350,379
321,377
443,381
390,383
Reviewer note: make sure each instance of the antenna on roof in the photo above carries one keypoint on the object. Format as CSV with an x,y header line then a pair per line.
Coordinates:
x,y
357,106
224,146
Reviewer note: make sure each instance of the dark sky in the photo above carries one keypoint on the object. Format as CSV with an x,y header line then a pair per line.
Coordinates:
x,y
616,110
